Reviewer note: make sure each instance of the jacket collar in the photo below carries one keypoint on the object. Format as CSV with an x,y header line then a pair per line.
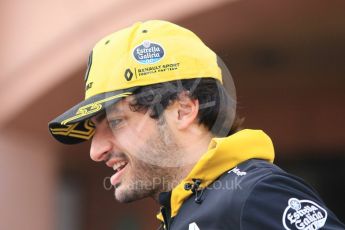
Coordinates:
x,y
222,155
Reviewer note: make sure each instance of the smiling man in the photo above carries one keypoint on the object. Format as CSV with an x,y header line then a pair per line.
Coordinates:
x,y
159,109
139,149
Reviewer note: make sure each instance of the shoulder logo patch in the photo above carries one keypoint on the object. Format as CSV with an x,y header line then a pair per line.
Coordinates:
x,y
193,226
238,172
148,52
303,215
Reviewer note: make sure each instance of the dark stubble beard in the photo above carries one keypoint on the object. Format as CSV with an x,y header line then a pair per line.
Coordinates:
x,y
148,180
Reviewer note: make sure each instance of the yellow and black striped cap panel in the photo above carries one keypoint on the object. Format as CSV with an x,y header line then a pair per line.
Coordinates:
x,y
93,107
74,133
74,126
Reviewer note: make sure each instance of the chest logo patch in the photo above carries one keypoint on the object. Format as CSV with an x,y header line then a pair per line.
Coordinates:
x,y
193,226
303,215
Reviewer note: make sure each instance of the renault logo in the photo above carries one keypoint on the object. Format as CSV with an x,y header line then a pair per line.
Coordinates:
x,y
128,74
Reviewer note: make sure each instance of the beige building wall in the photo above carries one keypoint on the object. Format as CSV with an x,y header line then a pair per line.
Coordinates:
x,y
28,178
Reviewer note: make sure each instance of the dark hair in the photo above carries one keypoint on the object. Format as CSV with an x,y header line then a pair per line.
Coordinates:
x,y
216,110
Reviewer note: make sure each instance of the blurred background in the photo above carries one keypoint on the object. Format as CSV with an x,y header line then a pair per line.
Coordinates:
x,y
287,59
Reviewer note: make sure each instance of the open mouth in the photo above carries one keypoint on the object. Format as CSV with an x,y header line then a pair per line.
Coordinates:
x,y
118,167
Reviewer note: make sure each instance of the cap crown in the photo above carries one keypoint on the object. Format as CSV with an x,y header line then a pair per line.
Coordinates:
x,y
148,53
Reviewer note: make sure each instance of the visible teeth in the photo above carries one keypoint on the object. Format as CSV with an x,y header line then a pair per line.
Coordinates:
x,y
118,165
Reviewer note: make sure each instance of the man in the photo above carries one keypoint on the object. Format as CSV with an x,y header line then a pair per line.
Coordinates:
x,y
160,114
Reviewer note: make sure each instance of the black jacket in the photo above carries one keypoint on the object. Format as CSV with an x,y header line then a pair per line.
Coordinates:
x,y
254,195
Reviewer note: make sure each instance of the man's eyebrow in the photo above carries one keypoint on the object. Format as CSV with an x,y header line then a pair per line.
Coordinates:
x,y
99,117
113,110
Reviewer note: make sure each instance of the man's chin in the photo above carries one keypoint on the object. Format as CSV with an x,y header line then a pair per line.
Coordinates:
x,y
126,196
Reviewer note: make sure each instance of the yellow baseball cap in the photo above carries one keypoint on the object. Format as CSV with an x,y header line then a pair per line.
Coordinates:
x,y
146,53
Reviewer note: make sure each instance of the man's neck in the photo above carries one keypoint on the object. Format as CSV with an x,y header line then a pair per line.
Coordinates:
x,y
192,151
174,176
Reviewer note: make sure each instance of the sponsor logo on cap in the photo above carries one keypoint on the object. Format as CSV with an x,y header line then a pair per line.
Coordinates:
x,y
148,53
128,74
304,214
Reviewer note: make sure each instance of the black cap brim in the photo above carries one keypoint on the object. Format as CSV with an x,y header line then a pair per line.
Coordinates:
x,y
74,126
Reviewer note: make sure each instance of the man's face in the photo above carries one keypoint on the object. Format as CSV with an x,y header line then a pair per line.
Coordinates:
x,y
138,148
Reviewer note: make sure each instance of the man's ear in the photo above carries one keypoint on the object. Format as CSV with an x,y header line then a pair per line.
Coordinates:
x,y
187,110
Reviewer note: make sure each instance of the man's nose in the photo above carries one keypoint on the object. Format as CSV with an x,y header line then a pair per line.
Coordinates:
x,y
100,146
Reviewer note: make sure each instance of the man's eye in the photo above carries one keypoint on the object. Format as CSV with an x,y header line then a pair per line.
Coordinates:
x,y
114,123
